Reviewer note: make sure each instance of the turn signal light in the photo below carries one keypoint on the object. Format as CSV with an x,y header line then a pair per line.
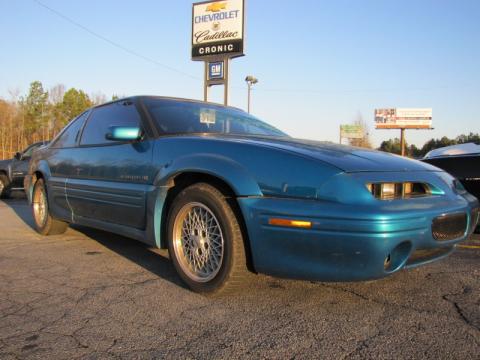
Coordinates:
x,y
290,223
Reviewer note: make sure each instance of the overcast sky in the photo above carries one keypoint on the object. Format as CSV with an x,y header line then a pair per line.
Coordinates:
x,y
319,63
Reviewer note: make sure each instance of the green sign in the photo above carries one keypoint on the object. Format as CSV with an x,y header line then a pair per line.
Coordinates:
x,y
351,131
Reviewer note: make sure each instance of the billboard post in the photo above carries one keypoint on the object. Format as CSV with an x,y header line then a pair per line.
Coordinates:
x,y
403,118
217,36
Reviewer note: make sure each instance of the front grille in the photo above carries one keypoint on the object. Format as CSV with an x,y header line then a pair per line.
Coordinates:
x,y
449,227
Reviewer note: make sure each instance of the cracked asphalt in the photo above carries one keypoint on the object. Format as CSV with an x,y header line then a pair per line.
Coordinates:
x,y
90,294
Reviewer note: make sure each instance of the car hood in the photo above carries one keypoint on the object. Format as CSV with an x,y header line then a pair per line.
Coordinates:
x,y
346,158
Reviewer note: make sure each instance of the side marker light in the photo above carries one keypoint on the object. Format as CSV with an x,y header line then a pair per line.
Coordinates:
x,y
290,223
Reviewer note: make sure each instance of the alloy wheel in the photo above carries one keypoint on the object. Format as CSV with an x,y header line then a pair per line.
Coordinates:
x,y
198,242
40,207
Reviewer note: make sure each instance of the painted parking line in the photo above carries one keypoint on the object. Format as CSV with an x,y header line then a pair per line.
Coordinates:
x,y
469,246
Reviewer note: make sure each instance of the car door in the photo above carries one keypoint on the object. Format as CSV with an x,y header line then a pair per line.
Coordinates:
x,y
110,179
61,163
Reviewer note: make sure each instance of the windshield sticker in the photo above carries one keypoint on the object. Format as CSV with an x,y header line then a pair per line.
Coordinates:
x,y
207,116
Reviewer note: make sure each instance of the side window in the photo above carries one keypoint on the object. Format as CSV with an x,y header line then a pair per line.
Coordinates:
x,y
69,136
121,113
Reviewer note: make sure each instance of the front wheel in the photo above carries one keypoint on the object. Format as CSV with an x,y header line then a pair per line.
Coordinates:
x,y
4,187
45,224
205,241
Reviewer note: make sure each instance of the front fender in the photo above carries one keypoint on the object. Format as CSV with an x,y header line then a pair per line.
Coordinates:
x,y
6,168
42,167
234,174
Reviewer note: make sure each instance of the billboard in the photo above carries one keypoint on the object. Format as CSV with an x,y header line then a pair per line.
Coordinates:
x,y
351,131
403,118
217,29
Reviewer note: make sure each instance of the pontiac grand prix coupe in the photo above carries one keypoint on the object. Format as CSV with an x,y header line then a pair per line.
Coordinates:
x,y
228,195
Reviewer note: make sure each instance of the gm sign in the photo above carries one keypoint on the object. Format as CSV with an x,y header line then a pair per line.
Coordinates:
x,y
215,70
217,29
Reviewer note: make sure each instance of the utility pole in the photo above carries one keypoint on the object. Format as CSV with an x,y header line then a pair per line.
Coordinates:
x,y
402,141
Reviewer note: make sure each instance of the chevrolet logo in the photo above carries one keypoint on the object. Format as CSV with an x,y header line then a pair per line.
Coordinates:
x,y
216,7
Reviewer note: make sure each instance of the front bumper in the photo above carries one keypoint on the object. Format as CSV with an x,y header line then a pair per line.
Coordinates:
x,y
348,243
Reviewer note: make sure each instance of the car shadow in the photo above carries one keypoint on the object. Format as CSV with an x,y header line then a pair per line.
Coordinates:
x,y
148,258
137,252
19,204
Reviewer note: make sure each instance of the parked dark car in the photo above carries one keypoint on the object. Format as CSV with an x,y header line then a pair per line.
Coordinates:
x,y
13,171
461,161
228,194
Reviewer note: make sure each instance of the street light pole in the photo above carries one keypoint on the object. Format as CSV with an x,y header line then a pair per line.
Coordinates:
x,y
250,81
249,85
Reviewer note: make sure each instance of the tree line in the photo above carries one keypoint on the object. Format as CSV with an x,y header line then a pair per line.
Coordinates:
x,y
393,145
40,114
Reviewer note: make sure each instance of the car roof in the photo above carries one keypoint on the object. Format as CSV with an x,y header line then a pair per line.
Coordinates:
x,y
179,99
454,150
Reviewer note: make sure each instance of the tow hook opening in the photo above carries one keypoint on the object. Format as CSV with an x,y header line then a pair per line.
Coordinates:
x,y
396,258
387,262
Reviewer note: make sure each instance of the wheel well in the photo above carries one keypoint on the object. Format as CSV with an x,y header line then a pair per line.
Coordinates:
x,y
38,175
3,172
35,176
184,180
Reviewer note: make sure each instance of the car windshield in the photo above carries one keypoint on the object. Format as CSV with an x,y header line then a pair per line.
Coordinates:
x,y
176,117
28,151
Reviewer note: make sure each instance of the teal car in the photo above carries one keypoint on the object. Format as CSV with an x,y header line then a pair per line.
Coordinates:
x,y
230,195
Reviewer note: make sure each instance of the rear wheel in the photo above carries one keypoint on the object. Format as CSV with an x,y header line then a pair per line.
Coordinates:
x,y
4,187
205,241
45,224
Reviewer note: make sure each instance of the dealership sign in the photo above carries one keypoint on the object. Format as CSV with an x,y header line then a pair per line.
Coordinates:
x,y
403,118
217,29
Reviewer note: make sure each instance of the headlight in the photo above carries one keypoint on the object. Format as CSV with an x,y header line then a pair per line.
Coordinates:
x,y
401,190
387,190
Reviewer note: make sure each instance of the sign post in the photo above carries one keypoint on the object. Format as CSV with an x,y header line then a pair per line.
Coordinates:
x,y
403,118
217,37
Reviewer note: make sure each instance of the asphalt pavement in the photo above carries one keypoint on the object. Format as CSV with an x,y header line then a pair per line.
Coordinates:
x,y
90,294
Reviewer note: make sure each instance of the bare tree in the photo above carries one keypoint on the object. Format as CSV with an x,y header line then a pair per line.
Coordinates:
x,y
98,98
55,94
365,140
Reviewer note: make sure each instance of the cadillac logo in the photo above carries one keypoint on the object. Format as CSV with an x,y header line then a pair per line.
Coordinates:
x,y
216,26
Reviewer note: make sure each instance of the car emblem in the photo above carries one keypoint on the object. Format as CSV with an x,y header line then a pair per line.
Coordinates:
x,y
216,7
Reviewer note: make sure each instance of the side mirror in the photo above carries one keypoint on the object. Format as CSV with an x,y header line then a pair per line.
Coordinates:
x,y
18,156
123,133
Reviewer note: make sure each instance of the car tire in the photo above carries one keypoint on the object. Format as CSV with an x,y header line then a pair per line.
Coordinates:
x,y
45,224
205,241
4,187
